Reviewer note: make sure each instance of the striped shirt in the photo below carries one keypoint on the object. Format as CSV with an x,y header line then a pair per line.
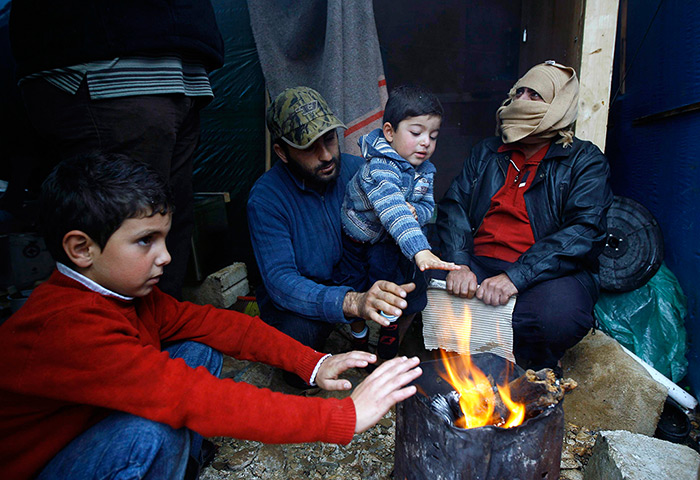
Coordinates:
x,y
131,76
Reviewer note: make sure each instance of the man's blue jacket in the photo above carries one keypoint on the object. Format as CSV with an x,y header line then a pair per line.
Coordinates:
x,y
296,237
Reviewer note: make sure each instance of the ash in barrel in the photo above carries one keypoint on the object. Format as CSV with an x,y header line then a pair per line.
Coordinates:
x,y
446,406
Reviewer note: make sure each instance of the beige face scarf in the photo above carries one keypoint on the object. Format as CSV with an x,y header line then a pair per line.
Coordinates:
x,y
531,121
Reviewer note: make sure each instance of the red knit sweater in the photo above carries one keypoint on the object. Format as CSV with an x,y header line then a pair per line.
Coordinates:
x,y
70,356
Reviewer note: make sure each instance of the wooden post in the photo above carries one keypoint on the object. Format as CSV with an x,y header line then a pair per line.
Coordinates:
x,y
597,52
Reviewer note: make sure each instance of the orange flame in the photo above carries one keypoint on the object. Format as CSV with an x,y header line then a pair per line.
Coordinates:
x,y
517,410
477,395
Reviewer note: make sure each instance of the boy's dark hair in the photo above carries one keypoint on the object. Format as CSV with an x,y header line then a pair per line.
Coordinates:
x,y
95,193
410,101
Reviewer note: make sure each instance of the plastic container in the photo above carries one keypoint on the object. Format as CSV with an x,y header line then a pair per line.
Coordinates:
x,y
391,318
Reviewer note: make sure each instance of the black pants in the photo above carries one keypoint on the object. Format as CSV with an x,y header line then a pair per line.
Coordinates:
x,y
161,130
383,261
548,318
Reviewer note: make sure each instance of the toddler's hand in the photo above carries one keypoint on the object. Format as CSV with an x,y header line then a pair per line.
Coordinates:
x,y
426,260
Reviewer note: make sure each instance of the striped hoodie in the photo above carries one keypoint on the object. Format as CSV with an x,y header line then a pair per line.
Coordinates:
x,y
375,207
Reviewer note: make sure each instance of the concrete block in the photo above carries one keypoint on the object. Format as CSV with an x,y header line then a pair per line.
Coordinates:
x,y
621,455
614,391
221,289
229,276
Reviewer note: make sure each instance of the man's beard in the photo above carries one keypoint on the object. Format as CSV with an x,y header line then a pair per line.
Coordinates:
x,y
312,177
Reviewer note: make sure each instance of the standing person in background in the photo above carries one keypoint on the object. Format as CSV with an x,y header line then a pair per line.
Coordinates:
x,y
126,76
527,216
294,217
387,203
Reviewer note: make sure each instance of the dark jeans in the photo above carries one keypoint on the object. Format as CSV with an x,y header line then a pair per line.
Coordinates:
x,y
161,130
548,318
127,446
384,261
312,333
385,258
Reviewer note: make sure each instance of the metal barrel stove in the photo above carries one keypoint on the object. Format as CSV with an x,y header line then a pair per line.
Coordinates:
x,y
427,447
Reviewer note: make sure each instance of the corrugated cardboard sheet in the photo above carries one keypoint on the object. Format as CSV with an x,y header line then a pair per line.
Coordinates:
x,y
446,324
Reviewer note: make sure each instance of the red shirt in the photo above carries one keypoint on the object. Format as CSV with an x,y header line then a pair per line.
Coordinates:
x,y
70,356
506,233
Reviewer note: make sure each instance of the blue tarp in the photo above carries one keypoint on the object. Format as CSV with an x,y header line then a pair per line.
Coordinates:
x,y
653,147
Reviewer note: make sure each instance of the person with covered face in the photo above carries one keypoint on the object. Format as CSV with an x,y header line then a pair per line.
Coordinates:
x,y
527,216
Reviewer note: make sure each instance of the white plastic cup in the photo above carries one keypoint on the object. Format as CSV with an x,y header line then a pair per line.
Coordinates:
x,y
391,318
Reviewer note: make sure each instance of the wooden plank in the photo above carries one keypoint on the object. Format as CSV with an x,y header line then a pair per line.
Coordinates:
x,y
598,49
550,30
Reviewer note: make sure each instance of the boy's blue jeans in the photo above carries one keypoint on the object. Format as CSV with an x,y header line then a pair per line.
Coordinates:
x,y
124,446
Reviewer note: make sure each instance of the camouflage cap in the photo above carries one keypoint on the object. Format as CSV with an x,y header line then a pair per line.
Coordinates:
x,y
299,116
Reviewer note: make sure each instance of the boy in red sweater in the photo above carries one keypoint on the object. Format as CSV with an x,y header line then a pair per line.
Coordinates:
x,y
104,375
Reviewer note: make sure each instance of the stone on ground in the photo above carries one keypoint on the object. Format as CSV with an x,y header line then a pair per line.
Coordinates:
x,y
614,391
222,288
619,455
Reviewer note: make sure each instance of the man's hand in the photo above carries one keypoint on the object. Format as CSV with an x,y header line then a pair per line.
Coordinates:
x,y
425,259
384,388
327,375
385,296
461,282
496,290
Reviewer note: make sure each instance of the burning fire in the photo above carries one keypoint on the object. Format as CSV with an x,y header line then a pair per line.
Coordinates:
x,y
478,398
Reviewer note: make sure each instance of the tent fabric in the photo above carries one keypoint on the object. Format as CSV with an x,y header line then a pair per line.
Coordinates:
x,y
231,153
331,46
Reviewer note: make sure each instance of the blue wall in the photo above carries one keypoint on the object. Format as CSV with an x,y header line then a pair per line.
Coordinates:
x,y
657,162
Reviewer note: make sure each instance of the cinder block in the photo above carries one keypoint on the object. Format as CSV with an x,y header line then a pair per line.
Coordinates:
x,y
227,277
221,289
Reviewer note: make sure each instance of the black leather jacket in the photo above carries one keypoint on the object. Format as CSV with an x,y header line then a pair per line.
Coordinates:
x,y
567,205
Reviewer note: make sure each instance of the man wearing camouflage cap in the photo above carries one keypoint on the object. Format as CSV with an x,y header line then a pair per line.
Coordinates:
x,y
294,218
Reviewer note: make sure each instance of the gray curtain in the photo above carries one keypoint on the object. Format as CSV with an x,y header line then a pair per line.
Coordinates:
x,y
331,46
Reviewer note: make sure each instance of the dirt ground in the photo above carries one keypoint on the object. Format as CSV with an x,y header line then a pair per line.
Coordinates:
x,y
369,456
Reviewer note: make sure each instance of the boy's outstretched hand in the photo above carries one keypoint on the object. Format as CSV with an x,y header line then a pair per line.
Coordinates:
x,y
426,260
327,375
384,388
